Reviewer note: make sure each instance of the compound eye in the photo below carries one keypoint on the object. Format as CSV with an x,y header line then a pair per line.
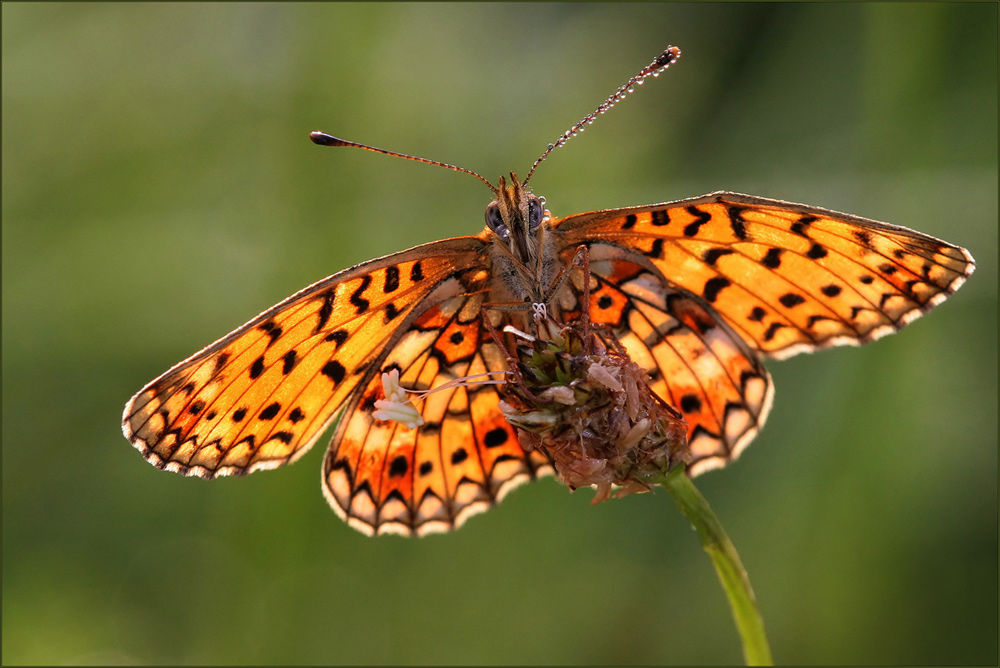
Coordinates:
x,y
534,213
494,220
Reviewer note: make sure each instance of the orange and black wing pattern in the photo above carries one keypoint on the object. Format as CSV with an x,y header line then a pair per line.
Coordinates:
x,y
383,477
694,360
259,397
787,278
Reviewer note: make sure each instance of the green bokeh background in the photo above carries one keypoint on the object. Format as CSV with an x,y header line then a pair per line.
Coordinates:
x,y
159,189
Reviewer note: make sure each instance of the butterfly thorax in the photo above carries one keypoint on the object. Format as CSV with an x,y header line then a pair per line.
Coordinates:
x,y
524,249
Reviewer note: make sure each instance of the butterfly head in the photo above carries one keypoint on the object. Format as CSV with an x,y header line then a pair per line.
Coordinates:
x,y
515,216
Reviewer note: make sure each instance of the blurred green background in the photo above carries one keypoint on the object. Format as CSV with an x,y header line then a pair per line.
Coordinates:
x,y
159,189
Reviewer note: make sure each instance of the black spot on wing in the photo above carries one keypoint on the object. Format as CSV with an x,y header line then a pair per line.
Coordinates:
x,y
398,467
288,362
801,226
220,362
772,259
737,223
813,319
656,250
391,312
335,371
269,412
391,279
746,376
395,495
364,487
659,218
816,252
855,310
325,310
338,337
257,367
272,329
712,255
629,222
864,238
885,297
831,290
772,330
340,464
360,303
416,272
713,287
367,404
495,437
791,300
690,403
700,218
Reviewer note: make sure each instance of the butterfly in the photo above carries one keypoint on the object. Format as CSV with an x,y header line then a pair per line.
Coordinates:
x,y
698,291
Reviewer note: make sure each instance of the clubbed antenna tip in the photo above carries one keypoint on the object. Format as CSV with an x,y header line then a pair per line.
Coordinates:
x,y
662,62
324,139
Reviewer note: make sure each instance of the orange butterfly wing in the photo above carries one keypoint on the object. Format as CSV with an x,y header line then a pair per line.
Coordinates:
x,y
382,477
259,397
695,362
697,289
787,278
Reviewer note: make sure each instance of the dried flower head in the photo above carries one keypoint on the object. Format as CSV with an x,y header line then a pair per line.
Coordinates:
x,y
576,395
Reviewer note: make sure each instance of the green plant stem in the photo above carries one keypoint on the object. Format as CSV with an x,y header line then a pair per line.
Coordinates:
x,y
727,564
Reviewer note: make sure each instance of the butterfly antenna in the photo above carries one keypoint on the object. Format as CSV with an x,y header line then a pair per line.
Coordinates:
x,y
654,69
324,139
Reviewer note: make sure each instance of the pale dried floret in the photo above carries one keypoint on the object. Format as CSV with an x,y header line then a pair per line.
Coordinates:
x,y
562,394
598,373
396,407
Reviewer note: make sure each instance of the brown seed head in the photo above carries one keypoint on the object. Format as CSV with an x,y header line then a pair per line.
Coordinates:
x,y
577,395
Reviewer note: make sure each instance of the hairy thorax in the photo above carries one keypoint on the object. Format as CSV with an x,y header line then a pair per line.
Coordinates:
x,y
528,277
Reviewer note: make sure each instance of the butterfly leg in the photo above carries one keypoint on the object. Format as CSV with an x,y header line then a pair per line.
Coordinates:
x,y
581,259
508,357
